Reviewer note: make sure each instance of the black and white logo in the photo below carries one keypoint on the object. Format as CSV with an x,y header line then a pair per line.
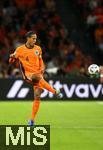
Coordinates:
x,y
20,90
17,90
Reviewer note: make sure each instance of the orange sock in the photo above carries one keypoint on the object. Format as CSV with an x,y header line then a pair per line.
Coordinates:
x,y
35,108
46,85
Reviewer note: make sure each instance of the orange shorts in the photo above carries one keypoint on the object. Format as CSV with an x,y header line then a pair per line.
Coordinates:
x,y
28,75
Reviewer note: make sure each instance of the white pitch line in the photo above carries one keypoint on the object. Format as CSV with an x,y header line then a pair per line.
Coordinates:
x,y
75,127
99,102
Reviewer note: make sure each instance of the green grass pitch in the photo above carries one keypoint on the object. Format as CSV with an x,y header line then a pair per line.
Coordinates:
x,y
74,125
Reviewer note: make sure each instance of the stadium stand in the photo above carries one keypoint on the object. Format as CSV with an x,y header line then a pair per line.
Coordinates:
x,y
62,55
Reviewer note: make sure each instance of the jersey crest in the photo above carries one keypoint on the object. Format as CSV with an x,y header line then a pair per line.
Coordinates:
x,y
36,52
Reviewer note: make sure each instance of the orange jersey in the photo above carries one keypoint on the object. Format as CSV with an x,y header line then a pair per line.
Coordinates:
x,y
30,58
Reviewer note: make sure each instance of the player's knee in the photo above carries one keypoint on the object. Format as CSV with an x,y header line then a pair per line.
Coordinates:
x,y
36,78
37,96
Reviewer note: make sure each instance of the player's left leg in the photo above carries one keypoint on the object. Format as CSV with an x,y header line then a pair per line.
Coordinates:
x,y
38,78
36,104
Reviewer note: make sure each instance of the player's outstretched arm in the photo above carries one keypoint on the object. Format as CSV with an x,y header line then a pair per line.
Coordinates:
x,y
13,55
12,58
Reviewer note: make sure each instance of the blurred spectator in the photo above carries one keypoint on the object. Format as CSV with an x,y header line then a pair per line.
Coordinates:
x,y
99,42
93,4
99,34
91,19
50,5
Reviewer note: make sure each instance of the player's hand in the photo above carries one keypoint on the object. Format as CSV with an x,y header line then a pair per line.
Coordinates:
x,y
12,60
12,55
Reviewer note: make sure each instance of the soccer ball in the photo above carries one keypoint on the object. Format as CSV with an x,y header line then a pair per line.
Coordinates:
x,y
93,69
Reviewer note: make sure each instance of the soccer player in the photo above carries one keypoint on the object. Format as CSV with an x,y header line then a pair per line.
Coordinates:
x,y
29,56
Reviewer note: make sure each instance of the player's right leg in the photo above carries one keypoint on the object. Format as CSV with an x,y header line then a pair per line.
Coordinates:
x,y
36,104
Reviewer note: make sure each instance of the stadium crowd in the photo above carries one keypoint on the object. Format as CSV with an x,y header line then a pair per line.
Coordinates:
x,y
61,55
92,13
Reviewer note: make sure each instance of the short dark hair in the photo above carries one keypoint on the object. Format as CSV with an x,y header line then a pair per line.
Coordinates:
x,y
29,34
